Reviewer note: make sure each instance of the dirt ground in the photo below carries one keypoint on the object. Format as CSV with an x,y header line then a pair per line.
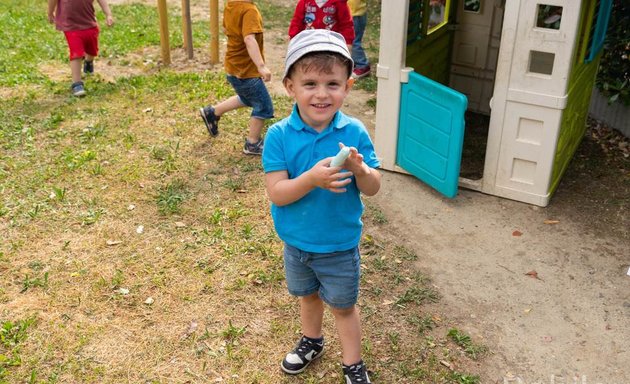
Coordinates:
x,y
545,289
567,325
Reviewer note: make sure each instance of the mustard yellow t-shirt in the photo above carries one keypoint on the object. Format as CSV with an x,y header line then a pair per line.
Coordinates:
x,y
357,7
240,19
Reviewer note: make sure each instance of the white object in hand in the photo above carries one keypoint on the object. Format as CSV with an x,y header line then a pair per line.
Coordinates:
x,y
340,157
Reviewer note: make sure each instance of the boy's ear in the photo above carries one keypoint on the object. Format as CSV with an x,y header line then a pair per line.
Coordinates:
x,y
288,86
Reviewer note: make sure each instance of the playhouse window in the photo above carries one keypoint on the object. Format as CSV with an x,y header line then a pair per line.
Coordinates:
x,y
472,6
549,16
438,14
541,62
426,17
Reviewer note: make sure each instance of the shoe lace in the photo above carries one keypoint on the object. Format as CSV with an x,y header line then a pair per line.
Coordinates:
x,y
305,346
257,146
358,373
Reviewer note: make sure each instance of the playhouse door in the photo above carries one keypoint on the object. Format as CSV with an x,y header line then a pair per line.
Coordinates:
x,y
475,51
431,133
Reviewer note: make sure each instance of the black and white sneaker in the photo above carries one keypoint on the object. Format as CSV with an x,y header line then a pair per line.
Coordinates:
x,y
210,120
302,355
77,89
356,374
253,148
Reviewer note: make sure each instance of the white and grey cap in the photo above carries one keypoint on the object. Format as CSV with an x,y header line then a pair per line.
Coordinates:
x,y
314,40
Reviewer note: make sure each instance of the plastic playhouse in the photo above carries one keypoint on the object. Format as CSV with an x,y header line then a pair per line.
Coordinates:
x,y
529,66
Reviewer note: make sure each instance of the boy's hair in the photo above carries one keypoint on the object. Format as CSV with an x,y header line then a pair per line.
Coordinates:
x,y
322,62
322,49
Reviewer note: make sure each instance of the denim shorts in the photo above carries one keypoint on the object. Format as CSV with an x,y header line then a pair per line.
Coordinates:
x,y
334,275
253,93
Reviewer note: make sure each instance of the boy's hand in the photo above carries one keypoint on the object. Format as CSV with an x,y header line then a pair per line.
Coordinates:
x,y
326,177
265,73
354,163
109,20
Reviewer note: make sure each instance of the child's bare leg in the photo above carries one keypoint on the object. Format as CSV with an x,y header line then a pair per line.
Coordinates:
x,y
75,68
256,126
312,315
89,57
349,329
227,105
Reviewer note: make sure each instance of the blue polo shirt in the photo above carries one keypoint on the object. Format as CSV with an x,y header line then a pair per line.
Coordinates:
x,y
321,221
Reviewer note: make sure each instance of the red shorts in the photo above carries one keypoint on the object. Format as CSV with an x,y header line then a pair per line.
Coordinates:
x,y
82,42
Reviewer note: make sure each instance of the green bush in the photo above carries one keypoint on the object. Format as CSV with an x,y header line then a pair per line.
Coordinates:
x,y
613,78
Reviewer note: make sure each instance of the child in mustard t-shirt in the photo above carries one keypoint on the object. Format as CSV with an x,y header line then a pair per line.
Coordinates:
x,y
246,72
358,9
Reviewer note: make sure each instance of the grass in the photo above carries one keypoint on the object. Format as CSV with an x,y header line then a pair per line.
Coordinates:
x,y
465,342
12,334
136,27
79,178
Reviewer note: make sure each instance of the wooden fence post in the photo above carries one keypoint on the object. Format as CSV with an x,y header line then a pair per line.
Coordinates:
x,y
164,43
187,28
214,31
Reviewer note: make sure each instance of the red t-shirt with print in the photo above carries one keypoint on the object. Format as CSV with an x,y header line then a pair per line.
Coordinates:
x,y
333,15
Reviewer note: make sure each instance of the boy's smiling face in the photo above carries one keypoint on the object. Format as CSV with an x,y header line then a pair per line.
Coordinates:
x,y
319,94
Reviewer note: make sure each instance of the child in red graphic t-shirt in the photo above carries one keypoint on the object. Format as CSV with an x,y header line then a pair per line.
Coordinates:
x,y
333,15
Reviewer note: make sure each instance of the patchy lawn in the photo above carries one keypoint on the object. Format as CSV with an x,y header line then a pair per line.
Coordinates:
x,y
136,249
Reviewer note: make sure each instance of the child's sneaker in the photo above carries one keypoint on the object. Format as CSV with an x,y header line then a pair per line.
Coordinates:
x,y
359,73
210,119
88,67
77,89
253,148
302,355
356,374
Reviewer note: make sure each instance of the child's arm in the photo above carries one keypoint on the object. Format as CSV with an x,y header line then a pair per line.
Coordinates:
x,y
254,53
52,5
297,21
109,18
368,179
284,191
345,25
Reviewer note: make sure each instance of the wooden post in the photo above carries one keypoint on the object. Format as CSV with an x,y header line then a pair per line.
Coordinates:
x,y
214,31
187,28
164,43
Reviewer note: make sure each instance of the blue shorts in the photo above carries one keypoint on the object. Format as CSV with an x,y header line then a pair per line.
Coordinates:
x,y
334,275
253,93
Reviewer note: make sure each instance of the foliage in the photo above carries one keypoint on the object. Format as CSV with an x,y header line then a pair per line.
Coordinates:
x,y
11,335
613,78
463,340
17,48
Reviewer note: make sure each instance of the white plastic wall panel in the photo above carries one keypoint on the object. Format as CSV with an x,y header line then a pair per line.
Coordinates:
x,y
559,43
391,59
528,146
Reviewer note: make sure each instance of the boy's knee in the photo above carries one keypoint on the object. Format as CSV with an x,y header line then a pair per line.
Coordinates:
x,y
312,298
343,312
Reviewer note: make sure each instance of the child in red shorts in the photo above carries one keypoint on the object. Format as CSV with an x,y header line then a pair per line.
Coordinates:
x,y
77,20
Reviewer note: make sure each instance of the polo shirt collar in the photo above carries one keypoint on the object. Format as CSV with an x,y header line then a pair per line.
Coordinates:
x,y
339,121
